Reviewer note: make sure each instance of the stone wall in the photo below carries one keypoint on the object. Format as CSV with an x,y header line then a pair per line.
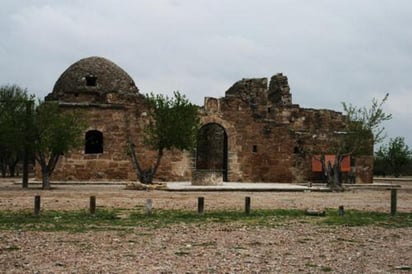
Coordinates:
x,y
118,125
269,138
262,136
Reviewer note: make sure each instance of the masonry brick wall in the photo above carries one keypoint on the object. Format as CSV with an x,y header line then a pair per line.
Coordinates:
x,y
269,139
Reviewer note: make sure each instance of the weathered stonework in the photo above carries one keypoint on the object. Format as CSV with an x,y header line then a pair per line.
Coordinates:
x,y
207,177
112,105
255,133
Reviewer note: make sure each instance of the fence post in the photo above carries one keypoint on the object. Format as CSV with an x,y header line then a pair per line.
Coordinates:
x,y
149,206
92,205
37,205
394,201
341,210
247,205
200,205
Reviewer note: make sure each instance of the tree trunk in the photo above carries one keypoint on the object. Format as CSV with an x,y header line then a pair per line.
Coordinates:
x,y
12,168
3,171
145,175
336,177
45,180
332,172
45,176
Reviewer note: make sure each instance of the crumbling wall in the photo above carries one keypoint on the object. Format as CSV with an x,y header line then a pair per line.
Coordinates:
x,y
275,138
267,137
279,90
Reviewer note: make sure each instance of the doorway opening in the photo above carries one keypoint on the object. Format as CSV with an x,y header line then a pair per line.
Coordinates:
x,y
212,149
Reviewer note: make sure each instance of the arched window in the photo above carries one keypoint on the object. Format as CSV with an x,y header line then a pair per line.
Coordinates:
x,y
94,142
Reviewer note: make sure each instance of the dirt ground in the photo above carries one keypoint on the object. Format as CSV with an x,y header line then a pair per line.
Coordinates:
x,y
211,248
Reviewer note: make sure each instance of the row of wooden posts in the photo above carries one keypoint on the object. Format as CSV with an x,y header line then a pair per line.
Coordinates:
x,y
201,205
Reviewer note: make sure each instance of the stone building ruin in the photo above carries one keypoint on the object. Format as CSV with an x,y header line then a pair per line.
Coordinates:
x,y
252,134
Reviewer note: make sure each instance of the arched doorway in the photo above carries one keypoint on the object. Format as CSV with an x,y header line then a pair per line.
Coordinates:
x,y
93,142
212,149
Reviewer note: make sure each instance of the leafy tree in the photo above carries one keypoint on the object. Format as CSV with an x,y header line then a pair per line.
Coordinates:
x,y
363,130
173,123
56,132
395,155
15,108
366,121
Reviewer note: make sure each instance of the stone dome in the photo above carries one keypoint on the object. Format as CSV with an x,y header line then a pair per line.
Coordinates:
x,y
94,80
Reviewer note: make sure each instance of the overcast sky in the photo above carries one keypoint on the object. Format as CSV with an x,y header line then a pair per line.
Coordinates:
x,y
331,51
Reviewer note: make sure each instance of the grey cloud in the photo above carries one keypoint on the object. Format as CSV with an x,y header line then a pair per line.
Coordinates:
x,y
331,51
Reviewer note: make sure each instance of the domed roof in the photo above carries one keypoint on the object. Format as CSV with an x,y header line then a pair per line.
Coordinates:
x,y
93,79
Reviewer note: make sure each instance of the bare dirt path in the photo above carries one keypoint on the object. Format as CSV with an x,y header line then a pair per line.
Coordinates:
x,y
211,248
69,197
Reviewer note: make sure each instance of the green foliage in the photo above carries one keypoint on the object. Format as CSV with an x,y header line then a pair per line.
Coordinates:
x,y
164,218
15,109
108,219
73,221
175,122
394,156
365,126
365,218
56,132
363,130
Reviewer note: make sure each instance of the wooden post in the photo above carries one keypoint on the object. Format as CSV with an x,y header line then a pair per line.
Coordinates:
x,y
149,206
92,205
394,201
37,205
341,210
247,205
200,205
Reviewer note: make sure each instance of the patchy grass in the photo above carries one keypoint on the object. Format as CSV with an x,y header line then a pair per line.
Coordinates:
x,y
75,221
124,219
363,218
258,217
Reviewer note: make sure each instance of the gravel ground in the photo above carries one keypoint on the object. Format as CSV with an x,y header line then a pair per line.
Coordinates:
x,y
207,248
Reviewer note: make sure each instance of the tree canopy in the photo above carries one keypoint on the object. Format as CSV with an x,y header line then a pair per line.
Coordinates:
x,y
15,108
364,129
56,132
394,156
365,126
173,123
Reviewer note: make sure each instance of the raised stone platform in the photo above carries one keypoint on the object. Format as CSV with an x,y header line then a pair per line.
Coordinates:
x,y
207,178
232,186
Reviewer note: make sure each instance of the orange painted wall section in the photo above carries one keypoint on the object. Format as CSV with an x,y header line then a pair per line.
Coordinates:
x,y
317,166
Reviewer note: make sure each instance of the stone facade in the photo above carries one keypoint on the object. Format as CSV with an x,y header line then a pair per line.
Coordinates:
x,y
269,138
112,105
253,133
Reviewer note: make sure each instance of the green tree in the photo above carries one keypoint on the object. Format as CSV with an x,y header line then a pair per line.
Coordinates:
x,y
174,123
364,122
56,132
15,108
364,129
395,155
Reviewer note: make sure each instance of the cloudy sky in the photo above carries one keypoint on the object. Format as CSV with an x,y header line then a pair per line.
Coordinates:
x,y
331,51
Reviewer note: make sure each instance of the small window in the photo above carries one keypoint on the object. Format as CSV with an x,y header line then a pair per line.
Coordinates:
x,y
94,142
254,148
296,150
269,109
91,81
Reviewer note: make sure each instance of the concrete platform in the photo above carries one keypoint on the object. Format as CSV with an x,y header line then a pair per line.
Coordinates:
x,y
232,186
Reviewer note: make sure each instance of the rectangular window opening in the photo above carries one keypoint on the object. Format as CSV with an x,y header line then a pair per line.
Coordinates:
x,y
254,148
91,81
